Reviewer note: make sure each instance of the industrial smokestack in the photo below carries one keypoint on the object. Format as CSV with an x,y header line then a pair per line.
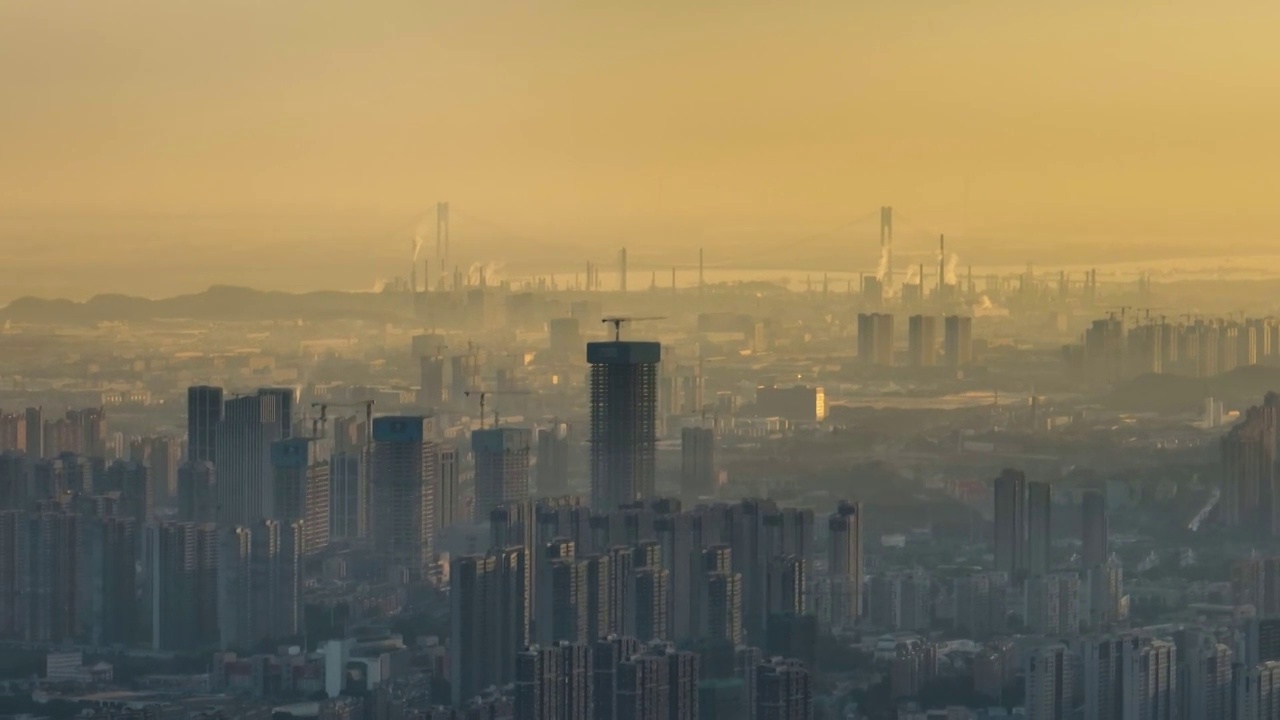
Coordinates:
x,y
622,270
942,262
886,246
699,271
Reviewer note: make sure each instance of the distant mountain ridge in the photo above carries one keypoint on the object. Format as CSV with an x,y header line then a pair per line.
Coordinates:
x,y
219,302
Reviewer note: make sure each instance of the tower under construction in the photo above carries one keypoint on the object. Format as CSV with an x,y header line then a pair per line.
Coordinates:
x,y
624,404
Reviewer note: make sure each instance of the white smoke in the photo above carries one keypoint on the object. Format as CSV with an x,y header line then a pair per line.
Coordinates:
x,y
913,276
419,239
950,274
491,272
985,308
883,268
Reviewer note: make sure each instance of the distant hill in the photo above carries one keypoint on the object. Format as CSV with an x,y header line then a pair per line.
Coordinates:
x,y
1241,387
220,302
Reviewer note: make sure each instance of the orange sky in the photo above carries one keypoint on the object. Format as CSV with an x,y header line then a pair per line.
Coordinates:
x,y
1058,120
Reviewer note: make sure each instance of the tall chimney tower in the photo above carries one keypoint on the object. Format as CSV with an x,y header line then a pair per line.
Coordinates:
x,y
622,270
942,262
886,244
699,271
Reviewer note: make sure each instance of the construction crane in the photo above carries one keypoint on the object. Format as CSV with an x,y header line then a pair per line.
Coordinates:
x,y
324,416
484,394
617,323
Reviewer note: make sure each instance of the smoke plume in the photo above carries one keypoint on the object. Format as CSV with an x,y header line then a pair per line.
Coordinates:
x,y
419,239
883,268
950,274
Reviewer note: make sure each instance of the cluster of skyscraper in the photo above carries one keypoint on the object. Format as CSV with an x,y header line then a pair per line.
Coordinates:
x,y
649,571
1115,348
876,340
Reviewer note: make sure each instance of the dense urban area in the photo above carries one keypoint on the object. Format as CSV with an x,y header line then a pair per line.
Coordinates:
x,y
1044,494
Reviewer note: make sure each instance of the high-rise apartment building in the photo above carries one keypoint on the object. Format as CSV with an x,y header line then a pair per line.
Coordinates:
x,y
553,460
1150,680
348,496
697,462
844,563
651,590
204,412
431,392
502,468
181,585
1022,524
1205,676
14,472
13,432
490,619
922,340
132,480
67,577
242,454
608,655
1259,695
34,417
259,575
554,682
163,455
1039,504
448,500
787,586
403,481
624,402
1050,683
1093,528
1011,523
875,339
957,341
784,691
197,491
301,482
1250,496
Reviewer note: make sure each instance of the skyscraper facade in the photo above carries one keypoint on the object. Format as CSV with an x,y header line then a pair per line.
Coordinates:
x,y
922,340
697,462
204,412
403,480
259,580
553,459
624,402
844,563
197,491
502,468
1039,508
1093,528
242,454
1050,683
181,589
1011,523
783,691
957,341
301,484
348,496
448,497
490,619
34,417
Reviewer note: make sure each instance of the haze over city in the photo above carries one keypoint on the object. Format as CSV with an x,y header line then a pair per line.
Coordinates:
x,y
639,360
214,140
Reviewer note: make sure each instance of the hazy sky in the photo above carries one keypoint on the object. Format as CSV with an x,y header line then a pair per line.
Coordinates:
x,y
1050,120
